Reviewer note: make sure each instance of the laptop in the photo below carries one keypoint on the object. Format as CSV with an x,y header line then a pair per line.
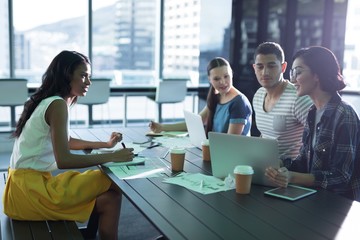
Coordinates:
x,y
229,150
195,128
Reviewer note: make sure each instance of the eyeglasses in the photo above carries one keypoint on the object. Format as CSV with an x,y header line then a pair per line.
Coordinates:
x,y
295,72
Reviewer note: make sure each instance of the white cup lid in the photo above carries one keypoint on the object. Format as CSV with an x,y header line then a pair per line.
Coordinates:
x,y
205,142
244,169
177,150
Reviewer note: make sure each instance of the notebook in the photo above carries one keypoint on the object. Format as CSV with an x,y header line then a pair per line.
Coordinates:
x,y
229,150
195,128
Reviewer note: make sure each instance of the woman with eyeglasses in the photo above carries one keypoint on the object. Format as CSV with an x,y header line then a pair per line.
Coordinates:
x,y
329,157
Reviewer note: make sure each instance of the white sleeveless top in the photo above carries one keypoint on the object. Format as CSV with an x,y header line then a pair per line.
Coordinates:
x,y
33,148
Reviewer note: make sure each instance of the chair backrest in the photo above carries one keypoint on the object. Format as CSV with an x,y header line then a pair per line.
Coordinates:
x,y
13,91
99,92
171,91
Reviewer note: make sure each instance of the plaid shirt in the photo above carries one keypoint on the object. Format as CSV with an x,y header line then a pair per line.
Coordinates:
x,y
335,159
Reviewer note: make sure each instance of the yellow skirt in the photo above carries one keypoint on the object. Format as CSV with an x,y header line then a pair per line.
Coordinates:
x,y
34,195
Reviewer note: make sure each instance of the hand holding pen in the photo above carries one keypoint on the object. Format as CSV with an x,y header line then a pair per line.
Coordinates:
x,y
125,154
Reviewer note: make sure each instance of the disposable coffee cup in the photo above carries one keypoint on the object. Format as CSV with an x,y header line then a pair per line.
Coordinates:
x,y
205,150
243,175
177,156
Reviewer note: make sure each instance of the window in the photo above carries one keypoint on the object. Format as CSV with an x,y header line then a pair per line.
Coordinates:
x,y
135,39
41,35
352,48
105,37
192,32
124,43
277,20
4,40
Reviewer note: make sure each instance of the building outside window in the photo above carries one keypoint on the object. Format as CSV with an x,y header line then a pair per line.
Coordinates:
x,y
352,48
4,40
124,37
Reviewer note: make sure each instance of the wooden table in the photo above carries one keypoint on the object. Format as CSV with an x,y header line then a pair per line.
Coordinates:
x,y
180,213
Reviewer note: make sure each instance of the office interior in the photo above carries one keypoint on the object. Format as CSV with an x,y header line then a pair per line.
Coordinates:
x,y
137,43
153,40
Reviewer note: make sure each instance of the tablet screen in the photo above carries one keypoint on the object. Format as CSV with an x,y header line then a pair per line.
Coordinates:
x,y
292,192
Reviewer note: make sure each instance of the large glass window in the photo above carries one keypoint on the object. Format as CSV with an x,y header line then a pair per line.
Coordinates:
x,y
338,26
135,42
309,23
245,43
181,38
104,38
277,20
4,39
125,37
194,33
215,35
42,29
352,48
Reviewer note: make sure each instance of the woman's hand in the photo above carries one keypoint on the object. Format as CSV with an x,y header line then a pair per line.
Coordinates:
x,y
124,155
114,139
280,177
155,127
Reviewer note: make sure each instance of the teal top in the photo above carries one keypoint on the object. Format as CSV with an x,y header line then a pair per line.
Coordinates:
x,y
238,110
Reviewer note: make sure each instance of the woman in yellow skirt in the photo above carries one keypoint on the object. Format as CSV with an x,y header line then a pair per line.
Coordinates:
x,y
42,144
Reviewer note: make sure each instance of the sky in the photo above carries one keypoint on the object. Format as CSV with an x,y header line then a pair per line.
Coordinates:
x,y
29,13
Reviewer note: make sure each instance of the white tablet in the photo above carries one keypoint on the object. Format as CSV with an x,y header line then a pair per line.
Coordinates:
x,y
292,192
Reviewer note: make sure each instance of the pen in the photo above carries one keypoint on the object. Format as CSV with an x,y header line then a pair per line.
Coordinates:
x,y
167,152
122,144
153,144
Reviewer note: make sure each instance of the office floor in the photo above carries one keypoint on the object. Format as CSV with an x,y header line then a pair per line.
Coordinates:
x,y
133,225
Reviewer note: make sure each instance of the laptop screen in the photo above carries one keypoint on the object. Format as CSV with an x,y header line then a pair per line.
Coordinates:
x,y
229,150
195,128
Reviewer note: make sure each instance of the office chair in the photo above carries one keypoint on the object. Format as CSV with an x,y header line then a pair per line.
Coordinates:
x,y
13,92
170,91
99,93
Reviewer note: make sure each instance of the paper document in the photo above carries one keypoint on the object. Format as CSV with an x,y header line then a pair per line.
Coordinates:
x,y
168,133
138,171
135,161
118,146
198,182
171,142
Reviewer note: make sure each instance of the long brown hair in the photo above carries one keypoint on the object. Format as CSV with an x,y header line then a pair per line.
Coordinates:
x,y
55,82
212,98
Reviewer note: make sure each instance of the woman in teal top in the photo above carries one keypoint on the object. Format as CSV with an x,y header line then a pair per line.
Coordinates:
x,y
228,113
227,109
